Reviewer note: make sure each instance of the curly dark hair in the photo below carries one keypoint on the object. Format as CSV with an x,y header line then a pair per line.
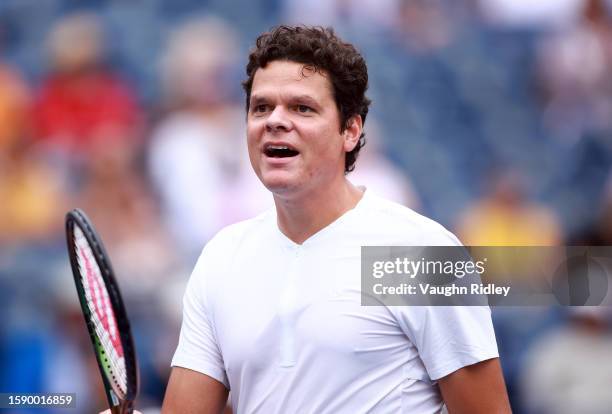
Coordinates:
x,y
321,49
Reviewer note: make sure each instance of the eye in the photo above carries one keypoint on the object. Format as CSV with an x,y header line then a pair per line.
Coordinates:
x,y
260,108
303,108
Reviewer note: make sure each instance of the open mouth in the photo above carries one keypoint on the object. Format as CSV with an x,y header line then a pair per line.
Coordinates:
x,y
280,151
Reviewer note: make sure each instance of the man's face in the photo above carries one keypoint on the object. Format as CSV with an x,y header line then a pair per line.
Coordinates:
x,y
293,129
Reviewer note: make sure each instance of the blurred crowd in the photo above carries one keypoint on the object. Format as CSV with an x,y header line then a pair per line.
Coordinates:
x,y
493,117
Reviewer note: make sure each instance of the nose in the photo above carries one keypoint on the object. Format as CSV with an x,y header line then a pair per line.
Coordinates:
x,y
278,120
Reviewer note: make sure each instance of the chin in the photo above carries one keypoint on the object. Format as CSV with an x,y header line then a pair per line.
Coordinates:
x,y
279,183
278,186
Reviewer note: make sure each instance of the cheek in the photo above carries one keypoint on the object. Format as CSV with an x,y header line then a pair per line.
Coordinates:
x,y
253,134
252,141
323,139
331,144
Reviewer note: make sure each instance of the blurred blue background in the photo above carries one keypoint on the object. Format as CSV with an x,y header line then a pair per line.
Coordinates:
x,y
493,117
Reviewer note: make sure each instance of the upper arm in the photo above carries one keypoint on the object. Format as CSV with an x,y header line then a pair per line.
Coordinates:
x,y
198,348
449,337
475,389
191,392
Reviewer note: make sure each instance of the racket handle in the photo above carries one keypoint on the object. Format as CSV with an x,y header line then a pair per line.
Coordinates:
x,y
123,409
126,409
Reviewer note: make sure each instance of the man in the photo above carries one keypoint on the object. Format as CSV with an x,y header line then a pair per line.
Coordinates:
x,y
272,311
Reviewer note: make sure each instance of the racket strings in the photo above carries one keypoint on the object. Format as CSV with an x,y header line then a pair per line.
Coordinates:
x,y
98,303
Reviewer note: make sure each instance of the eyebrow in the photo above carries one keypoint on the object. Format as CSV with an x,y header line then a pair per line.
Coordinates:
x,y
256,100
307,99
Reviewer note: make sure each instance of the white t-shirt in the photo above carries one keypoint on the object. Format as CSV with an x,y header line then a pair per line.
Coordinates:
x,y
282,326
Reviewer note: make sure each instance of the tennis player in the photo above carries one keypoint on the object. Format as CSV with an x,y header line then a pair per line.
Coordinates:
x,y
272,310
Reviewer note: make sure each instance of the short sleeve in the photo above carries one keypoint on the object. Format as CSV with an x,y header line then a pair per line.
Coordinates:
x,y
198,348
448,337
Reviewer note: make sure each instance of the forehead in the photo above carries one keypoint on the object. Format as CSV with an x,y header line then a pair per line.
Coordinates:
x,y
287,78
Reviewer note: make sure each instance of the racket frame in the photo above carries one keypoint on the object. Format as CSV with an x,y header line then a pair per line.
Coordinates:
x,y
117,404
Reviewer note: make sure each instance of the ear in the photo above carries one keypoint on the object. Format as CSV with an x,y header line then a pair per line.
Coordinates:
x,y
352,133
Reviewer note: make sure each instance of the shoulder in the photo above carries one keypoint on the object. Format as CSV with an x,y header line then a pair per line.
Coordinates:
x,y
227,246
410,227
231,237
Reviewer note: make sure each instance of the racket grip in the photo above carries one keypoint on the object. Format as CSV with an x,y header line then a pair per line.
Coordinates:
x,y
127,407
122,409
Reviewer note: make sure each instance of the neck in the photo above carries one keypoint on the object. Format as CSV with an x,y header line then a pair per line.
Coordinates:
x,y
302,216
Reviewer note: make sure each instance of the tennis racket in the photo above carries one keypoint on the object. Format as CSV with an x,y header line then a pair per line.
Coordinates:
x,y
104,313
